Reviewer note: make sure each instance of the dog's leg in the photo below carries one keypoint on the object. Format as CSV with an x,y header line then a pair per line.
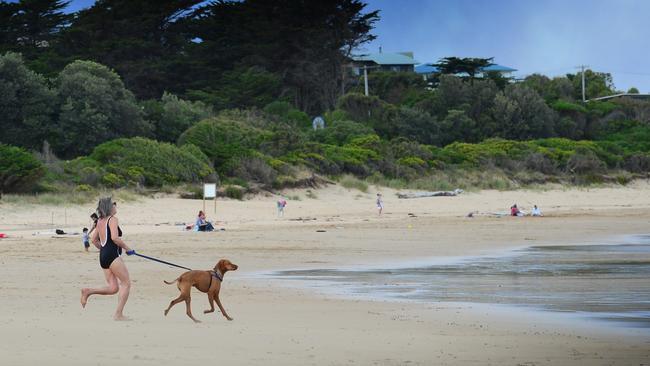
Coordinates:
x,y
188,300
211,300
223,311
174,302
185,293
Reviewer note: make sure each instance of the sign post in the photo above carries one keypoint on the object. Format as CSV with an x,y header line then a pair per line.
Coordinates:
x,y
210,191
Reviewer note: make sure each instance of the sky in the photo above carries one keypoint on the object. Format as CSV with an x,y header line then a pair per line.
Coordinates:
x,y
550,37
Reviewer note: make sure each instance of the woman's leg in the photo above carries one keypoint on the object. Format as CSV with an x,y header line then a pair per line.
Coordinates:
x,y
111,289
122,273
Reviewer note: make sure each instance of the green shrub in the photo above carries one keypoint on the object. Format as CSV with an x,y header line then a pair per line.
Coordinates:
x,y
83,188
154,163
413,162
341,132
19,170
234,192
278,108
585,161
564,106
112,180
222,139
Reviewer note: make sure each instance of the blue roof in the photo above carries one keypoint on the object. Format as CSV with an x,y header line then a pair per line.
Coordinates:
x,y
426,69
500,68
387,59
430,69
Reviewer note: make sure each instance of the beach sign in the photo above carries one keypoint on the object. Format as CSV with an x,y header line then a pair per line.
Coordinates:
x,y
210,191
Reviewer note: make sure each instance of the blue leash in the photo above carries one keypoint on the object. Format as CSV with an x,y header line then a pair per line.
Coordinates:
x,y
161,261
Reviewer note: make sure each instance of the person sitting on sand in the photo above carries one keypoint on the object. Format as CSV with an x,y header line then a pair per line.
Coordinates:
x,y
514,211
202,224
380,203
536,211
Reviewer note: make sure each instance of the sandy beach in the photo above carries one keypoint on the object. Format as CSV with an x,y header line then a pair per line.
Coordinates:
x,y
276,322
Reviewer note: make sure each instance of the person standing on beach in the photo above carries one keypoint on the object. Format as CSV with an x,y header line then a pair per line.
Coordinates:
x,y
282,203
93,217
108,239
85,239
380,204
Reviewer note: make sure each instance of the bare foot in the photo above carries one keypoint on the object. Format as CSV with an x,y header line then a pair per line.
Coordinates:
x,y
121,318
84,297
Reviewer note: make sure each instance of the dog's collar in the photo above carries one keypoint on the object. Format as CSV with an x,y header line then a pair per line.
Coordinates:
x,y
216,275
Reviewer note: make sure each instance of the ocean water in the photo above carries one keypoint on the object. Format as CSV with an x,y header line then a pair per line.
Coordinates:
x,y
609,282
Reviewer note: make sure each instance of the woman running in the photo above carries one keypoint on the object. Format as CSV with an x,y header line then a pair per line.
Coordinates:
x,y
107,237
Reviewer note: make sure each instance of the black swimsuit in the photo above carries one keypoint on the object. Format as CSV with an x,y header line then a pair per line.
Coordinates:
x,y
109,250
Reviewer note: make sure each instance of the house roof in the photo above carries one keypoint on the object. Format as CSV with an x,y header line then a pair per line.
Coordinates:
x,y
405,58
426,69
629,95
430,69
500,68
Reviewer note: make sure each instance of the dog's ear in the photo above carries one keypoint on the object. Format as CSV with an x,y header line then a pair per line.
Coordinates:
x,y
219,266
222,266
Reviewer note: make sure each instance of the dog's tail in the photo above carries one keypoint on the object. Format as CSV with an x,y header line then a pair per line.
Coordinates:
x,y
171,283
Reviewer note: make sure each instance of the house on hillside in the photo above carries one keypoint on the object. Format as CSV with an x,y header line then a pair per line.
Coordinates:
x,y
428,70
397,62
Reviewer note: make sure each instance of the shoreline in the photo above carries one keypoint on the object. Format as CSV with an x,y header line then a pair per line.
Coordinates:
x,y
326,285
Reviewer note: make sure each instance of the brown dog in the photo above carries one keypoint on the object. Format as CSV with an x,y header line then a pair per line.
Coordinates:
x,y
204,281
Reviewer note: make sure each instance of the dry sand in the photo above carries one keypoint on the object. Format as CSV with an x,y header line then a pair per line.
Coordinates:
x,y
41,320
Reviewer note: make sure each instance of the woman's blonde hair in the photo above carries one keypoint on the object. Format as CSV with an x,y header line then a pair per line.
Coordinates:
x,y
105,207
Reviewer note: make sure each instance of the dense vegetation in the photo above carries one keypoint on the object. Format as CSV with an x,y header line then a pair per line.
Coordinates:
x,y
123,109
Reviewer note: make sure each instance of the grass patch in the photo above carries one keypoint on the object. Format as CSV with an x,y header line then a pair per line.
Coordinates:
x,y
311,194
351,182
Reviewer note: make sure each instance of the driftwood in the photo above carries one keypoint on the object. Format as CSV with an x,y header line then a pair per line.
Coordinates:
x,y
455,192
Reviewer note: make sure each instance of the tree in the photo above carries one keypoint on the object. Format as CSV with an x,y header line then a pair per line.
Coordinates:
x,y
457,126
305,43
26,104
144,41
32,27
451,94
633,90
417,125
395,87
95,107
371,111
597,84
521,114
551,89
469,65
171,116
240,88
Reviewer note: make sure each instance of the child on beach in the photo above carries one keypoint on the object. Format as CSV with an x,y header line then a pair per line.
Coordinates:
x,y
86,238
380,203
536,211
282,203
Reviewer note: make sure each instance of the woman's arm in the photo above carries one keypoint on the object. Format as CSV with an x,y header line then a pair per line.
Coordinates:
x,y
94,238
113,224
